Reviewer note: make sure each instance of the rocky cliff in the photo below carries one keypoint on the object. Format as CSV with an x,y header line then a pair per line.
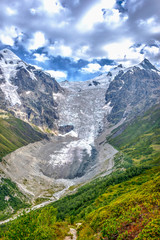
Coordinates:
x,y
27,92
133,91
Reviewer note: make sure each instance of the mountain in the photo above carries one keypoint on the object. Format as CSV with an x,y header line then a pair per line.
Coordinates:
x,y
69,157
78,116
105,152
133,91
27,92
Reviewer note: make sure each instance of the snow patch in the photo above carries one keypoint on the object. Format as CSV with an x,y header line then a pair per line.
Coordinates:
x,y
9,55
71,133
32,76
57,96
9,90
108,108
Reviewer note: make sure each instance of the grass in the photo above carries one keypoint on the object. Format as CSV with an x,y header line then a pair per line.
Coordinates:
x,y
39,224
11,199
14,133
126,211
139,139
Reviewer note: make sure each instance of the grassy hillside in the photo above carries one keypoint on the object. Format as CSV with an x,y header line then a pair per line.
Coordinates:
x,y
129,210
14,133
11,199
138,140
36,225
124,205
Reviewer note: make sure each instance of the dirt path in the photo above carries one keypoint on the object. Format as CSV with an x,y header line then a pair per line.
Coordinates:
x,y
73,232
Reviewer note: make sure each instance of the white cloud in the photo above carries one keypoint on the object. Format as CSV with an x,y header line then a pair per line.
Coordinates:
x,y
124,52
51,6
8,35
102,11
81,53
112,16
33,11
107,68
82,29
117,50
151,24
91,68
6,39
59,49
11,11
151,50
40,57
37,41
59,75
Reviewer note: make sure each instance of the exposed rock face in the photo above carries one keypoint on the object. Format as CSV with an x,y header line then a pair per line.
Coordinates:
x,y
133,91
65,129
27,91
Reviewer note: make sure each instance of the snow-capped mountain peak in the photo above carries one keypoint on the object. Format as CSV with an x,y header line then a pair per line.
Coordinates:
x,y
145,64
8,56
23,89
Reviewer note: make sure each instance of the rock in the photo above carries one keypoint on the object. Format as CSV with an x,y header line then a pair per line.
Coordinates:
x,y
27,92
133,91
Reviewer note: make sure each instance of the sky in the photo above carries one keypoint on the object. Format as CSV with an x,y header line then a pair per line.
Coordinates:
x,y
80,39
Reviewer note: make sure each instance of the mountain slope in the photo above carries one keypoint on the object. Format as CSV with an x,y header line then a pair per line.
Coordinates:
x,y
133,91
14,133
11,198
128,210
27,91
144,138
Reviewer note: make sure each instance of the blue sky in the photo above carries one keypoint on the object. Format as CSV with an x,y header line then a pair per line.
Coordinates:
x,y
80,39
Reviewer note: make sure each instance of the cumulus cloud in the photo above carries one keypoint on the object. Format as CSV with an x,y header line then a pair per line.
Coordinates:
x,y
107,68
8,35
59,49
95,15
37,41
91,68
40,57
83,28
50,6
11,11
58,75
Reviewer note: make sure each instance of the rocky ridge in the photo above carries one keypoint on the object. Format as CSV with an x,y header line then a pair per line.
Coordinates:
x,y
133,91
27,92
